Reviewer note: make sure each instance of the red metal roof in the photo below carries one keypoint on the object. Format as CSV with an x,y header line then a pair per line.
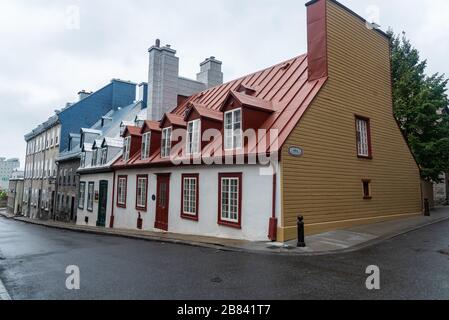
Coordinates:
x,y
284,87
152,125
203,111
251,102
133,130
173,119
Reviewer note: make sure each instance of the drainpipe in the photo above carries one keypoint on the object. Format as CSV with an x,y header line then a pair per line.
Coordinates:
x,y
272,230
111,222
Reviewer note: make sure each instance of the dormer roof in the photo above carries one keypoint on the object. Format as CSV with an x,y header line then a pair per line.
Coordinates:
x,y
172,119
151,125
203,111
245,100
132,130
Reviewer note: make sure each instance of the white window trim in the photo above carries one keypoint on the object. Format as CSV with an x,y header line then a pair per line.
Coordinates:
x,y
195,140
186,199
146,141
362,139
233,135
166,142
90,196
82,195
121,191
126,148
142,183
229,200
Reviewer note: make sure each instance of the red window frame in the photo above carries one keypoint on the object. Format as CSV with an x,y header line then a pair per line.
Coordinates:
x,y
368,129
237,225
120,205
185,215
144,176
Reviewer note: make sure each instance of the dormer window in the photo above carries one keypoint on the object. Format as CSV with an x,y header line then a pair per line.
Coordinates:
x,y
126,148
193,137
83,160
146,139
104,156
94,158
166,142
233,129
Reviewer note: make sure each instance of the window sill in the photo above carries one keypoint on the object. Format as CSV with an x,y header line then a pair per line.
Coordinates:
x,y
144,209
189,217
367,198
234,225
365,157
123,206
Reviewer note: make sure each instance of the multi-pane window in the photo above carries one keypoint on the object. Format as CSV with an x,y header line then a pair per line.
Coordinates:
x,y
166,142
230,190
193,137
83,160
146,145
189,196
233,129
90,196
141,192
121,191
94,158
126,148
82,195
363,137
104,156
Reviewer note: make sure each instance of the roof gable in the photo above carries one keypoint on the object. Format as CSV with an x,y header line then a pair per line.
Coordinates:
x,y
150,125
131,130
172,119
203,112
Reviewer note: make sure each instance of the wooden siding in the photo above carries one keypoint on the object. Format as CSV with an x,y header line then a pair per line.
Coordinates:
x,y
325,185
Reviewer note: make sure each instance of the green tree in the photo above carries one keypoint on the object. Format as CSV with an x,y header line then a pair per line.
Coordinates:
x,y
421,107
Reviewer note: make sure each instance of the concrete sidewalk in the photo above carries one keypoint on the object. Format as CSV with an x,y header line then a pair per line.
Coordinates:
x,y
326,243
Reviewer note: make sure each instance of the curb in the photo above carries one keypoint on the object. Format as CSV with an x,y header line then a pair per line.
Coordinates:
x,y
235,249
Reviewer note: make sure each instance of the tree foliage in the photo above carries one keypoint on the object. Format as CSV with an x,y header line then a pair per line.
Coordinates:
x,y
421,107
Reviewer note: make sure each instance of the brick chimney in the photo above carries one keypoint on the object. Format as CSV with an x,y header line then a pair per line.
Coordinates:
x,y
210,72
162,80
317,39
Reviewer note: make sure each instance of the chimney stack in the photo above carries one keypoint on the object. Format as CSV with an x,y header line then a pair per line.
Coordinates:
x,y
210,72
162,81
83,94
317,39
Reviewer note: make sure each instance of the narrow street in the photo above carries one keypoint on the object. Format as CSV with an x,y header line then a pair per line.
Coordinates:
x,y
33,261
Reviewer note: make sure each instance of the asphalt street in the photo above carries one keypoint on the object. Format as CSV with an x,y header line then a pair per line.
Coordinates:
x,y
33,262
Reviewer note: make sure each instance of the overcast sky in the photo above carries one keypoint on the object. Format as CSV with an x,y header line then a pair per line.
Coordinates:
x,y
48,54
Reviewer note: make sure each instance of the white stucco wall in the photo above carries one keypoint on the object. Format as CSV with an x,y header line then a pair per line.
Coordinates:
x,y
82,213
256,202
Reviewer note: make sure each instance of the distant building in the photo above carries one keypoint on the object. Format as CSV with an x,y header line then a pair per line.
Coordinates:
x,y
49,139
15,193
7,166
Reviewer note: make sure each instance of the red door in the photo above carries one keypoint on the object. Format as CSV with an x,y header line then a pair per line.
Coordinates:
x,y
162,201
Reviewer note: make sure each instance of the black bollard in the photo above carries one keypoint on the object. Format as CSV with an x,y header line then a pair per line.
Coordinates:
x,y
426,208
300,224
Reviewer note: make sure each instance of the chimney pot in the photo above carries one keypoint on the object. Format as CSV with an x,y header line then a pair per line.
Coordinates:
x,y
158,43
